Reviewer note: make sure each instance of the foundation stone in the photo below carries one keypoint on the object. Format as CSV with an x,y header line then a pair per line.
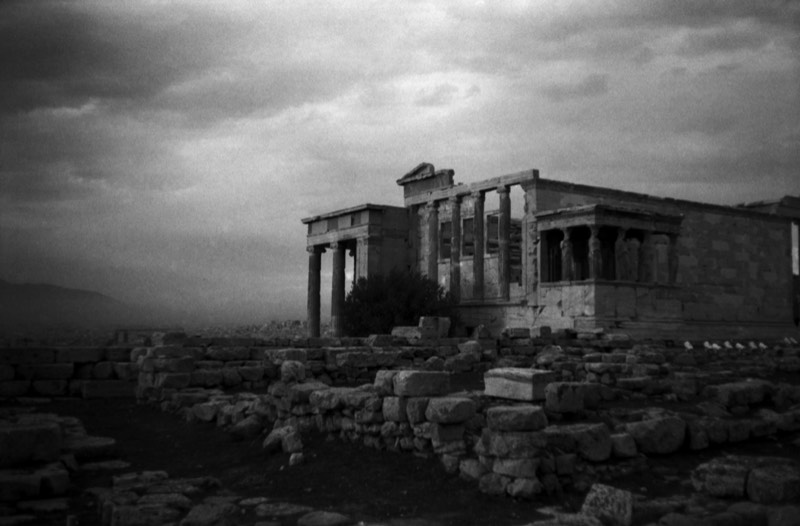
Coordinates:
x,y
516,383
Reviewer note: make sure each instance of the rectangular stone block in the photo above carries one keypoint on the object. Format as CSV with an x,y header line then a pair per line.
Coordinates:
x,y
421,383
118,354
53,371
441,433
516,418
517,383
172,380
107,389
50,387
27,356
517,467
281,355
511,444
394,409
80,354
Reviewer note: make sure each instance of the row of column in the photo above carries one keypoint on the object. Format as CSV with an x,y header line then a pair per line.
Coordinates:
x,y
362,268
634,260
504,230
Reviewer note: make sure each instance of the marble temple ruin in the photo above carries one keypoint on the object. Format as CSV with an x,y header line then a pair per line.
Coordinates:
x,y
574,256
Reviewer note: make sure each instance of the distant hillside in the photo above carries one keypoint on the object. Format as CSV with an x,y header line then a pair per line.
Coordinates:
x,y
47,304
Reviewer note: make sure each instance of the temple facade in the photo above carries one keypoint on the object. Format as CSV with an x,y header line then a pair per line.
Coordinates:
x,y
571,256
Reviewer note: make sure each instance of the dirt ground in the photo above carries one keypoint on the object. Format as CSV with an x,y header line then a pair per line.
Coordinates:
x,y
349,478
364,483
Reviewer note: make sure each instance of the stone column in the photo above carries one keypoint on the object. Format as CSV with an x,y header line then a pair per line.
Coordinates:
x,y
337,289
503,234
455,248
566,256
314,267
477,254
646,258
621,255
433,241
672,259
595,254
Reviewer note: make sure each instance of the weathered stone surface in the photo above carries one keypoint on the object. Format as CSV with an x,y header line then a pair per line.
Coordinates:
x,y
722,477
90,447
614,507
384,381
494,484
281,509
511,444
777,483
516,383
569,519
471,469
519,467
415,409
248,428
292,371
35,442
746,392
134,515
516,418
217,514
286,438
564,397
50,387
414,333
27,355
394,409
421,383
623,445
524,488
590,441
658,435
324,518
450,410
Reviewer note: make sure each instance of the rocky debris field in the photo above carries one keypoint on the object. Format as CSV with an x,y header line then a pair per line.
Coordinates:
x,y
595,429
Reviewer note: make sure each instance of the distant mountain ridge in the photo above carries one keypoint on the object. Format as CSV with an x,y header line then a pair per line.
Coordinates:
x,y
48,304
47,291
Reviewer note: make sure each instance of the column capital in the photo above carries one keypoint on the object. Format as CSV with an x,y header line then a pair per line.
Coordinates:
x,y
477,194
455,199
432,205
503,189
315,249
338,245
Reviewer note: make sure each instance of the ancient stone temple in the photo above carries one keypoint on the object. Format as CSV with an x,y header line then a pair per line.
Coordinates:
x,y
572,256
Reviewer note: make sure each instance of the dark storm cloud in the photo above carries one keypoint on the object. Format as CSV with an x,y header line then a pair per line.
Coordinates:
x,y
59,53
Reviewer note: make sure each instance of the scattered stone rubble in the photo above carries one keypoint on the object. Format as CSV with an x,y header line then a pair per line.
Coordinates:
x,y
554,416
39,452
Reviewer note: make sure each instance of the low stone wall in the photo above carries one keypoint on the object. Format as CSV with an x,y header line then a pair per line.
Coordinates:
x,y
88,372
510,447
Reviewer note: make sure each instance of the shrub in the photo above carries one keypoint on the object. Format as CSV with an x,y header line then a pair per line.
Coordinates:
x,y
377,304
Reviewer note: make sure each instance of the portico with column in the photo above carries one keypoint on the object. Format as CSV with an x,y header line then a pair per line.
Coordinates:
x,y
373,237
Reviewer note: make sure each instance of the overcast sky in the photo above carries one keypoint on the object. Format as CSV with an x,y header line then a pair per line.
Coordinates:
x,y
166,151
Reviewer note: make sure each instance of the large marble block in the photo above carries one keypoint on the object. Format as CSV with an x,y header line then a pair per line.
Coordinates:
x,y
516,383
